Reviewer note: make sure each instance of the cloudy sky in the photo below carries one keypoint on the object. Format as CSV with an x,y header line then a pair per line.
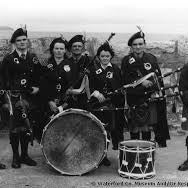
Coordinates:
x,y
156,16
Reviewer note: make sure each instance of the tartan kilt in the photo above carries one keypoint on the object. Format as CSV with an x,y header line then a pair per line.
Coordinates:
x,y
143,117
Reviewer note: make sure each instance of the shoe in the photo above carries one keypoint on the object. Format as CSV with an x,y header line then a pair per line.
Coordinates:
x,y
105,162
184,166
2,166
16,162
28,161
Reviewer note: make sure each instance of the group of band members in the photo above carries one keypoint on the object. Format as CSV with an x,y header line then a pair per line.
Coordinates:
x,y
33,88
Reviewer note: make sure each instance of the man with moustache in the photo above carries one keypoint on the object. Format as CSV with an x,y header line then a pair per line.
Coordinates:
x,y
21,74
151,115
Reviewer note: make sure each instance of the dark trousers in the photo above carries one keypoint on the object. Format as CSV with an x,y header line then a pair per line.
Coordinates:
x,y
146,135
21,139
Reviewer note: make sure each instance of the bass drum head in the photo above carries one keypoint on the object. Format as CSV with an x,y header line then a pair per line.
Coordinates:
x,y
74,142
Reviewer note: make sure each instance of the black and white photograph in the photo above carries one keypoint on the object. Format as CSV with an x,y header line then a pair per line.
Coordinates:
x,y
93,93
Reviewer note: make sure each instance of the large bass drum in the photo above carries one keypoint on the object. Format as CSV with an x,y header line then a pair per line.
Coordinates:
x,y
74,142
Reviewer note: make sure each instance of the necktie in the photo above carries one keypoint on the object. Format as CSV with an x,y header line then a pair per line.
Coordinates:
x,y
23,56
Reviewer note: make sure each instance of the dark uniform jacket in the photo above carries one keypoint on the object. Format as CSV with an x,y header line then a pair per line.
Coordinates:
x,y
19,76
75,69
53,83
104,81
74,73
183,84
134,69
107,81
183,88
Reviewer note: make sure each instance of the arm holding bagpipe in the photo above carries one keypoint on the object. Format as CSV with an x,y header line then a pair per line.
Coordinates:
x,y
133,88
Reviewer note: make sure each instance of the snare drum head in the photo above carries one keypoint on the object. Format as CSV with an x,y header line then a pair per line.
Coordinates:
x,y
137,144
74,142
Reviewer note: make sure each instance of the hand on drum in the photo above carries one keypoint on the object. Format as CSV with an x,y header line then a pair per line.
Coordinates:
x,y
99,96
69,91
53,106
147,83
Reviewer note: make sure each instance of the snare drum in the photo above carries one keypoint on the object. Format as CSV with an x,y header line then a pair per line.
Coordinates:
x,y
74,142
136,159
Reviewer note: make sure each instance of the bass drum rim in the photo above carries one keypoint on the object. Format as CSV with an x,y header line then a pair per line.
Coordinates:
x,y
75,111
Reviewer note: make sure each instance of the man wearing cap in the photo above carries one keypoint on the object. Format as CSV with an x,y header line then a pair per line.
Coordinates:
x,y
146,115
76,68
21,71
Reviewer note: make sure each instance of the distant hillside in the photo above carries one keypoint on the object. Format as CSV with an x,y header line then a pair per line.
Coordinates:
x,y
2,28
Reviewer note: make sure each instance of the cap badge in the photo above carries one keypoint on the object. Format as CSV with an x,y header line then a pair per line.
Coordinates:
x,y
35,60
98,71
147,66
23,81
16,60
50,66
131,60
109,75
66,68
58,86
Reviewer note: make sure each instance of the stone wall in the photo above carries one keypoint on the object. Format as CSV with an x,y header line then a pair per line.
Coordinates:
x,y
172,54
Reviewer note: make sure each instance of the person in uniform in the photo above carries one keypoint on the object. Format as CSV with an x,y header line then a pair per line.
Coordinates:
x,y
2,166
183,88
76,68
21,74
105,78
146,115
53,83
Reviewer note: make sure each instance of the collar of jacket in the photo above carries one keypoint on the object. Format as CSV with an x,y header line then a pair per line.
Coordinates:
x,y
20,53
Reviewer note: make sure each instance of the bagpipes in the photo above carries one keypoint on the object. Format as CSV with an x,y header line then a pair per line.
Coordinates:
x,y
18,109
155,93
174,89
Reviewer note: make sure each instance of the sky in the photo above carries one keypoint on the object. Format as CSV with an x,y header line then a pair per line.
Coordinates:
x,y
155,16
